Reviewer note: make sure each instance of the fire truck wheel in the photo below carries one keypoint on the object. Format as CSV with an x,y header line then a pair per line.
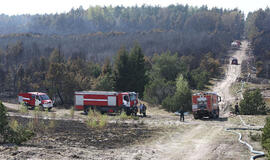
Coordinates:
x,y
128,113
196,116
41,108
86,110
49,109
211,115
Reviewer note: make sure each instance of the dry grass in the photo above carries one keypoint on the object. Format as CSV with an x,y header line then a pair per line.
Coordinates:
x,y
96,120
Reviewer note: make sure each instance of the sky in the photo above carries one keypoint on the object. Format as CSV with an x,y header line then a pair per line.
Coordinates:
x,y
15,7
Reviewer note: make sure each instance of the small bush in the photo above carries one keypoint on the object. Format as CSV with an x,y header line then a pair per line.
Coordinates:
x,y
14,125
72,112
103,121
96,120
134,117
266,135
21,134
12,132
123,116
24,109
253,103
255,137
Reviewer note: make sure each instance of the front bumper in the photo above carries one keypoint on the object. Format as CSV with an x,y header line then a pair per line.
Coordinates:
x,y
47,105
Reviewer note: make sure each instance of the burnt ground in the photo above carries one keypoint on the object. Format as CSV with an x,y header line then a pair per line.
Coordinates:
x,y
75,134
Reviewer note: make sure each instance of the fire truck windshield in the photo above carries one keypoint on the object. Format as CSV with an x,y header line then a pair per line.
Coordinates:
x,y
132,97
44,97
201,102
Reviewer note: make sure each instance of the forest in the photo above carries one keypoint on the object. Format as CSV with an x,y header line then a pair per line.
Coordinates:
x,y
257,31
159,52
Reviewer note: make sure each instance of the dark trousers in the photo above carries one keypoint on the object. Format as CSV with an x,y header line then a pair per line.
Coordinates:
x,y
182,117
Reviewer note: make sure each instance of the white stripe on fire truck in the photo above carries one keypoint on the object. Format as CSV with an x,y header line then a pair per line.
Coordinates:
x,y
100,100
26,98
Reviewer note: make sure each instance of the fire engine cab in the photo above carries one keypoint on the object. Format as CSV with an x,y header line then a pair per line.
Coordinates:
x,y
104,101
32,99
205,104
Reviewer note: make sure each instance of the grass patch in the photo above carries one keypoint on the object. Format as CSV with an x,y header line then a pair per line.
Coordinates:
x,y
96,120
123,116
235,88
72,112
255,136
24,109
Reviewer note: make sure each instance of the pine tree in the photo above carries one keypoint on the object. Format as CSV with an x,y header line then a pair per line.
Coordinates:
x,y
138,70
121,70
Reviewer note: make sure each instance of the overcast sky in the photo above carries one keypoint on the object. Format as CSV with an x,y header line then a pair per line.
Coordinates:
x,y
14,7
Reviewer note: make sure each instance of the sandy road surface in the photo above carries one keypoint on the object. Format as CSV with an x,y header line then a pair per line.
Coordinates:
x,y
232,72
191,140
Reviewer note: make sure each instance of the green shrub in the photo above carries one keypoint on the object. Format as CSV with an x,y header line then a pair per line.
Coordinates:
x,y
123,116
12,132
21,134
253,103
266,135
72,112
24,109
14,125
254,137
181,98
96,120
4,128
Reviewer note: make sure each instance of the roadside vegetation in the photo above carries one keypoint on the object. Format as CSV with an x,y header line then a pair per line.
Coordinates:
x,y
266,136
12,131
96,120
257,31
253,103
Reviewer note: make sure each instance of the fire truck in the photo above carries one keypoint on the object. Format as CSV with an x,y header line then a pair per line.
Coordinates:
x,y
104,101
234,61
205,104
32,99
236,44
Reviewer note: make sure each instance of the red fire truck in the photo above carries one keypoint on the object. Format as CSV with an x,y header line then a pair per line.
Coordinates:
x,y
234,61
107,101
205,104
32,99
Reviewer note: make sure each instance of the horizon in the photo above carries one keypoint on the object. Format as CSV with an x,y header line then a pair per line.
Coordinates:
x,y
33,7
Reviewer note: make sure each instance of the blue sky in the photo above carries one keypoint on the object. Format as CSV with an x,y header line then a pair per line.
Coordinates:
x,y
14,7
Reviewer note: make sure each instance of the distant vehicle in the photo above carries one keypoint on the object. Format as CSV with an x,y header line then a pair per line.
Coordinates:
x,y
234,61
104,101
236,44
205,104
32,99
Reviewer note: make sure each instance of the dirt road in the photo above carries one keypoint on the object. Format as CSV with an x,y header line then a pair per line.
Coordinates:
x,y
190,140
231,74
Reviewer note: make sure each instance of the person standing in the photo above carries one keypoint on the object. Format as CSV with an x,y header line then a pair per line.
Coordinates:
x,y
143,110
182,116
236,107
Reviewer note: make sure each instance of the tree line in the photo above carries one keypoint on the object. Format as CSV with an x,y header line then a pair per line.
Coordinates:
x,y
156,78
257,31
124,19
178,52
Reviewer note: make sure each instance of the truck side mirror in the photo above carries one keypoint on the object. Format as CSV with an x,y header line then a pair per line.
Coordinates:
x,y
219,99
